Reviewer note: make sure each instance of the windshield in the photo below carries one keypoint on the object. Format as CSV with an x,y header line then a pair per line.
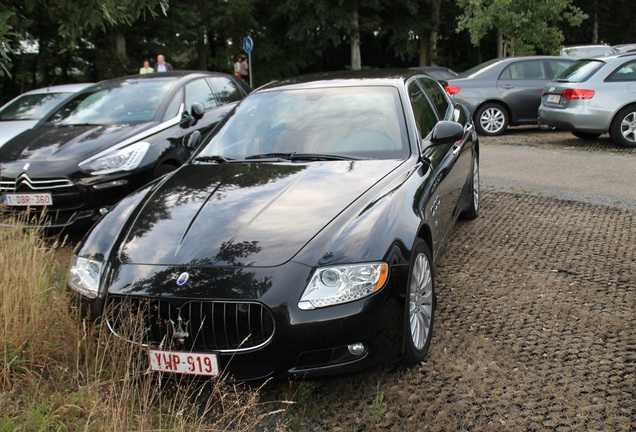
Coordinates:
x,y
127,102
31,107
580,71
357,122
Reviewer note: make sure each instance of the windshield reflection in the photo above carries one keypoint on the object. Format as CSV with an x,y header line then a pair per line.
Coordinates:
x,y
128,102
361,122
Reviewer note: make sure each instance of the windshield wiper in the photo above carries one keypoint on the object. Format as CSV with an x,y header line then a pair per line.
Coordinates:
x,y
277,156
213,158
322,157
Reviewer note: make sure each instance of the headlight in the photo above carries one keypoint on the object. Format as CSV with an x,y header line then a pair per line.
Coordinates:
x,y
84,276
123,159
341,284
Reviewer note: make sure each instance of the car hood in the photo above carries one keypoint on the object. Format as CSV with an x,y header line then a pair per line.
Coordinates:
x,y
63,143
9,129
246,214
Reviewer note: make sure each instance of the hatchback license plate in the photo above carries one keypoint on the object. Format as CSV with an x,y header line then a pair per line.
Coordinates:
x,y
184,362
553,98
25,200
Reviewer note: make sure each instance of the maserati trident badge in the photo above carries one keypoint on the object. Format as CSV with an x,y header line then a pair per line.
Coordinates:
x,y
179,329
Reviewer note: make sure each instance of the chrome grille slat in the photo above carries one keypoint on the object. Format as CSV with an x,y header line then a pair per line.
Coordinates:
x,y
219,326
24,182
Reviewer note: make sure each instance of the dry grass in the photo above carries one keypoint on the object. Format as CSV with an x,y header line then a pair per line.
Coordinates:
x,y
58,372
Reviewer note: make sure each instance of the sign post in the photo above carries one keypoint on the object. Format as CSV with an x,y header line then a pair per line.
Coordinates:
x,y
248,45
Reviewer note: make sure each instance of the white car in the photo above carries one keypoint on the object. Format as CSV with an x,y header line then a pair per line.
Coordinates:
x,y
24,111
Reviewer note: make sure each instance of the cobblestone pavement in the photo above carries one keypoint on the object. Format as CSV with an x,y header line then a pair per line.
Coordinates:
x,y
535,329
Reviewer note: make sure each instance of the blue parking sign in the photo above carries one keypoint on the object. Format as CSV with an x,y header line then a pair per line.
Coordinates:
x,y
248,44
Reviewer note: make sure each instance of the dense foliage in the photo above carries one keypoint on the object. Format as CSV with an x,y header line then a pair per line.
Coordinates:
x,y
57,41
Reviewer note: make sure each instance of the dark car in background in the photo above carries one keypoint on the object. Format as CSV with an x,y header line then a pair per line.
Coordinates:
x,y
507,91
440,73
300,240
109,140
592,97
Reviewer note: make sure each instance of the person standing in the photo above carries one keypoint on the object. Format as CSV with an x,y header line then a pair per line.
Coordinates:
x,y
146,69
237,68
162,65
245,69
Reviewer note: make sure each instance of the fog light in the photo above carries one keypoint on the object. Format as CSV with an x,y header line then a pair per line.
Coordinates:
x,y
356,349
104,210
111,184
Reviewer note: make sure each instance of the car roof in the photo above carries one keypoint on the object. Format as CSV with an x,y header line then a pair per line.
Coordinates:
x,y
176,75
370,77
62,88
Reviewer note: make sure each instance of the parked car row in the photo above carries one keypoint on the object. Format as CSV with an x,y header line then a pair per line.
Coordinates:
x,y
589,96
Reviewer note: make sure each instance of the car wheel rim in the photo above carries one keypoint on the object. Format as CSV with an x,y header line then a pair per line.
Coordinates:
x,y
628,127
421,301
475,184
492,120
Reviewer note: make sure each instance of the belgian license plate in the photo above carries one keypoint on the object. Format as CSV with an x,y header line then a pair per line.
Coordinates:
x,y
25,200
184,362
554,98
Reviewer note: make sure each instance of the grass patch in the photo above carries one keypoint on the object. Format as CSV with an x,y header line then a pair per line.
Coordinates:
x,y
59,372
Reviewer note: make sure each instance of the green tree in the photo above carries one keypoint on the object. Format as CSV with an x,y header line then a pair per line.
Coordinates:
x,y
523,26
72,19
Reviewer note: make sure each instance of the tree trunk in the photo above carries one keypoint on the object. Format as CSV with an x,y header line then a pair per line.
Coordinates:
x,y
500,44
356,60
202,52
120,44
424,58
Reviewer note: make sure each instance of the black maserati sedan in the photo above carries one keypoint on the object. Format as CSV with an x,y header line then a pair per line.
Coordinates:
x,y
299,240
109,140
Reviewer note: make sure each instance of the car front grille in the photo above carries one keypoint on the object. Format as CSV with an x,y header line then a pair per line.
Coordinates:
x,y
220,326
67,199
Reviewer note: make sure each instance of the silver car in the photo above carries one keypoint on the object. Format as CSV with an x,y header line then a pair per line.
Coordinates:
x,y
24,111
592,97
505,92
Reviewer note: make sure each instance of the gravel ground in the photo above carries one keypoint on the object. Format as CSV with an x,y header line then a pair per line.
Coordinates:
x,y
534,327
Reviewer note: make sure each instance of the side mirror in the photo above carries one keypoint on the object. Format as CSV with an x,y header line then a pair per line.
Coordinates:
x,y
196,113
193,140
446,132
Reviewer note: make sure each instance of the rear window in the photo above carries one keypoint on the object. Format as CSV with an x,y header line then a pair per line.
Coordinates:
x,y
580,71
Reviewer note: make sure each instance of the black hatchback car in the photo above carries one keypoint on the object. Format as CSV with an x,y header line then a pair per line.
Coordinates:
x,y
299,240
109,140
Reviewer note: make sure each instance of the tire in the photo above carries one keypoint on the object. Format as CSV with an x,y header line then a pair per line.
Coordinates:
x,y
586,135
491,119
163,169
419,305
473,209
623,128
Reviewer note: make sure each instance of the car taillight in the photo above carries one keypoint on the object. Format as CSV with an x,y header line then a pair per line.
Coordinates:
x,y
452,90
578,94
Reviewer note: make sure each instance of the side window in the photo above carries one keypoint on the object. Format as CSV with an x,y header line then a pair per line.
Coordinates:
x,y
424,113
199,91
524,70
173,107
627,72
558,66
226,90
438,96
